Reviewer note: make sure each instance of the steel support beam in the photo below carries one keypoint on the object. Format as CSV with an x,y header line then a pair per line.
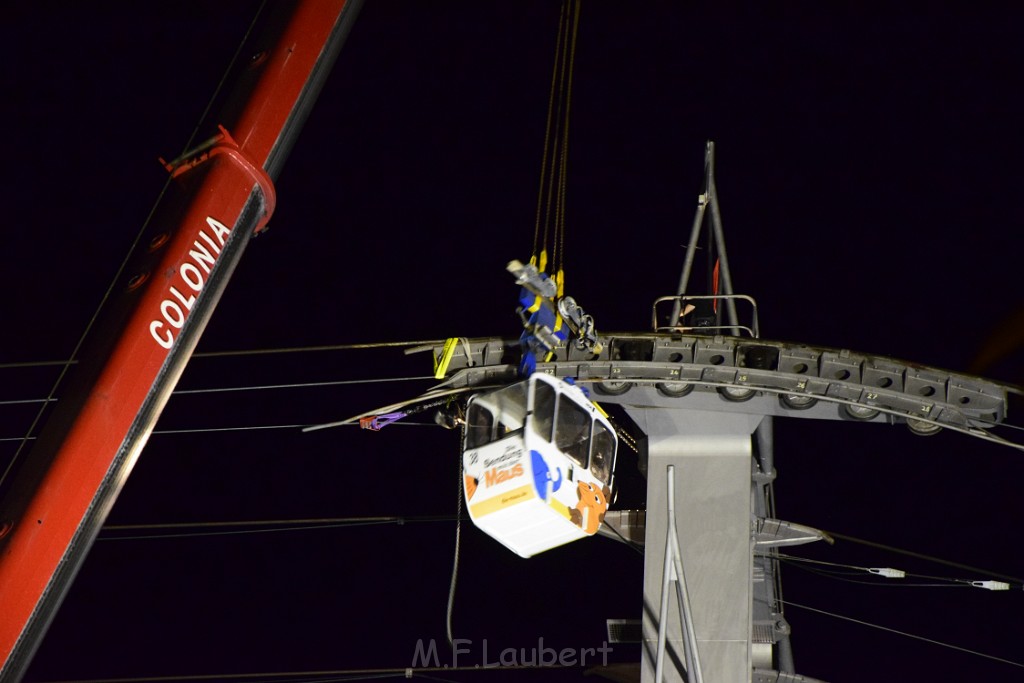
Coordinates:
x,y
710,454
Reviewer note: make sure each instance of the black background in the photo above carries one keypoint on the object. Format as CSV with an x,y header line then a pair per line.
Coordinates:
x,y
869,169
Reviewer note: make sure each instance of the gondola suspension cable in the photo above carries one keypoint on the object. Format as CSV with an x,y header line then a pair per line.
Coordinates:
x,y
336,347
621,432
302,385
891,573
903,633
235,528
324,347
337,522
244,428
250,352
256,387
848,577
921,556
330,522
329,676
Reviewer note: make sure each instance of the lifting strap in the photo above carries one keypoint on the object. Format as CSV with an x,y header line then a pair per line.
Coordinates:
x,y
549,317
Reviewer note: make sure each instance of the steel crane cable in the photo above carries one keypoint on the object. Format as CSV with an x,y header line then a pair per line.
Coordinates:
x,y
560,223
551,193
538,246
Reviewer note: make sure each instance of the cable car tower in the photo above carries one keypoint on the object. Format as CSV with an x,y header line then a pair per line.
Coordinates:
x,y
703,388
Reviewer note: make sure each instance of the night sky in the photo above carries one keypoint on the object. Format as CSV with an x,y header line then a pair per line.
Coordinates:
x,y
870,175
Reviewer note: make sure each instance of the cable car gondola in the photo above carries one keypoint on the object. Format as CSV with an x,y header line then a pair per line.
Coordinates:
x,y
538,464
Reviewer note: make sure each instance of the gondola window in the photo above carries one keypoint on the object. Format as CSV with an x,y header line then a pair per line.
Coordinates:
x,y
496,416
572,432
602,453
543,410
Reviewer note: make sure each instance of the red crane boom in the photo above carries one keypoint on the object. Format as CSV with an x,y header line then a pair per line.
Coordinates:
x,y
60,495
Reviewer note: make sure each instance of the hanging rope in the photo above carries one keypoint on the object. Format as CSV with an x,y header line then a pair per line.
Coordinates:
x,y
458,542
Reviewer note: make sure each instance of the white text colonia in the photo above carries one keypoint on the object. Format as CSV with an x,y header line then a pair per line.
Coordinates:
x,y
190,278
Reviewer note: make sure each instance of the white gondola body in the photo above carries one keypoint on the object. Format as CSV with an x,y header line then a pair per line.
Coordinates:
x,y
538,464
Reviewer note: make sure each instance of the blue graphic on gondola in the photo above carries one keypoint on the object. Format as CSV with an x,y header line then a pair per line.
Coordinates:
x,y
542,475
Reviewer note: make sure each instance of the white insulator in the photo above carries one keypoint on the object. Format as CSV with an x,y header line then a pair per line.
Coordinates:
x,y
888,572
